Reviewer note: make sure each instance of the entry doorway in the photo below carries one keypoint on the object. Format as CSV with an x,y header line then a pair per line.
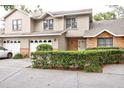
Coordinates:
x,y
81,44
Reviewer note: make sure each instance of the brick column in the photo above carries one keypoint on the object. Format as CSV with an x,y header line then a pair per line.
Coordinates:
x,y
24,52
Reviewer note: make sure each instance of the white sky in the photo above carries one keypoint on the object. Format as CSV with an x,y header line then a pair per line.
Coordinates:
x,y
64,5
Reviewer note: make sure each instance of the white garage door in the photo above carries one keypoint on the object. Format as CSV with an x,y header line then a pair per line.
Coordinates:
x,y
13,45
35,43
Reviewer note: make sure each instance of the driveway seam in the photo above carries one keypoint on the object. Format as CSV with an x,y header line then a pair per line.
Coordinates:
x,y
77,80
114,74
11,75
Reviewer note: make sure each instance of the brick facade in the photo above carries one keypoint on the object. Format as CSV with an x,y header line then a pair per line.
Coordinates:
x,y
117,41
24,51
104,35
91,42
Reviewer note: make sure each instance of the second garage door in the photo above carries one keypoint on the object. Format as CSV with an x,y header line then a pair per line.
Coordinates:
x,y
13,45
35,43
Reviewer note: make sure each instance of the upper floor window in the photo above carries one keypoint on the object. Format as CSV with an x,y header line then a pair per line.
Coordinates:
x,y
17,24
48,24
104,42
71,23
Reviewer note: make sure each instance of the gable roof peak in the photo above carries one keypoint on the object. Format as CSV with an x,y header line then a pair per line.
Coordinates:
x,y
66,13
16,9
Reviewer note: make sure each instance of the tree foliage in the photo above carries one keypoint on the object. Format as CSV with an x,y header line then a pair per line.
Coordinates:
x,y
104,16
118,10
26,9
37,11
8,7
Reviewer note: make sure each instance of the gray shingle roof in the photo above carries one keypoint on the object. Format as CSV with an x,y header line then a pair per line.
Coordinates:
x,y
45,33
55,14
114,27
71,12
66,13
11,12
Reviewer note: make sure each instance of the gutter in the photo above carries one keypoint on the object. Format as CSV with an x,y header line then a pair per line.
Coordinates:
x,y
30,35
55,34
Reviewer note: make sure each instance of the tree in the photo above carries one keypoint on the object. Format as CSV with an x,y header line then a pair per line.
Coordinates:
x,y
35,13
24,8
118,10
38,9
104,16
11,7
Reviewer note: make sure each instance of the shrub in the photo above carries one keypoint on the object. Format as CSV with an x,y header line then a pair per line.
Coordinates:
x,y
89,60
96,48
93,68
18,56
44,47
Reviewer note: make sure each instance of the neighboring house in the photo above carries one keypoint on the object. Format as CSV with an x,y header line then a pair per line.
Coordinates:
x,y
65,30
108,33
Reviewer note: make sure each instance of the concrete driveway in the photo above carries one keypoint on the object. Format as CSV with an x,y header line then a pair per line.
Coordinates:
x,y
17,74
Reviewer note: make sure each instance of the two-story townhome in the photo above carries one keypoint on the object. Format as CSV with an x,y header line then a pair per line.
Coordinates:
x,y
65,30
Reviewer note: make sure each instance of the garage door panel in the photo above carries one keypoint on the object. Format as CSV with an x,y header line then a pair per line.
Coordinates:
x,y
35,43
13,45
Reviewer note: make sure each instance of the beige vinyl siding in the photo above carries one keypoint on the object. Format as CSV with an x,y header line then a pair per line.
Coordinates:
x,y
32,27
62,42
82,25
38,25
25,22
59,24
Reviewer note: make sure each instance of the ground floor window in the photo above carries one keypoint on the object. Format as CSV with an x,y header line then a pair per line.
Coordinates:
x,y
104,42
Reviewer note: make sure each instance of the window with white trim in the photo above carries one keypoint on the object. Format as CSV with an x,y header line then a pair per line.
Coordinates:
x,y
104,42
48,24
17,25
71,23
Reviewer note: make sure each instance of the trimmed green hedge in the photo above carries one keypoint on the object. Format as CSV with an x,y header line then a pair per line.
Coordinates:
x,y
18,56
96,48
44,47
89,60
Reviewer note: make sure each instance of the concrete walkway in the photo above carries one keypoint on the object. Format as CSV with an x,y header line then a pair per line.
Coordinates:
x,y
114,69
14,74
9,67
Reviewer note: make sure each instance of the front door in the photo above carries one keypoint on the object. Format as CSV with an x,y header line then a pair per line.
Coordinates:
x,y
81,44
